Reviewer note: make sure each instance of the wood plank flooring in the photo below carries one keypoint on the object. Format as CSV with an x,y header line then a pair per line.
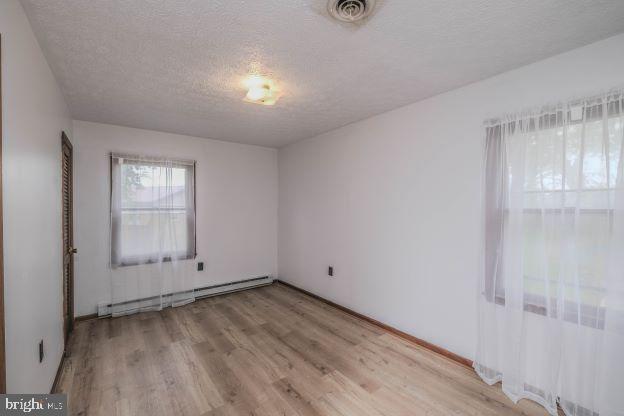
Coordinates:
x,y
265,351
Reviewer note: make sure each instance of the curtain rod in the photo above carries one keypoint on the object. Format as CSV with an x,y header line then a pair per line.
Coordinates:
x,y
612,95
148,158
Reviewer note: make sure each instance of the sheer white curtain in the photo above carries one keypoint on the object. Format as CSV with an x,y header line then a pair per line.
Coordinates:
x,y
152,233
551,299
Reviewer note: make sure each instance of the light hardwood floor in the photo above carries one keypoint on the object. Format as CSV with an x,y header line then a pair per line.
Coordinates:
x,y
265,351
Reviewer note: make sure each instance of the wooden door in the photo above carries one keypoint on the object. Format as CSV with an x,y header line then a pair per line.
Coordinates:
x,y
68,236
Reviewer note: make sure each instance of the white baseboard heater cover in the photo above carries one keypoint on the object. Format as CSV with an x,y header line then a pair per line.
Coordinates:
x,y
104,309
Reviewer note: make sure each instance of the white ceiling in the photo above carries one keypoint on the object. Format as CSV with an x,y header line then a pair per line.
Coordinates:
x,y
177,65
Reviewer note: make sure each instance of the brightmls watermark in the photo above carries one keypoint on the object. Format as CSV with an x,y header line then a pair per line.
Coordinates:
x,y
33,404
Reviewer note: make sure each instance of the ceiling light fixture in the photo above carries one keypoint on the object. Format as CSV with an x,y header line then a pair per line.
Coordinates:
x,y
260,90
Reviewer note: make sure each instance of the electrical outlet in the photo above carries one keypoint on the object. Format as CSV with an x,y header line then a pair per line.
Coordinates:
x,y
330,271
41,351
200,266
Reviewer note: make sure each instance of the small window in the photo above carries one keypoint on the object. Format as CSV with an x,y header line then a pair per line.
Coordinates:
x,y
152,210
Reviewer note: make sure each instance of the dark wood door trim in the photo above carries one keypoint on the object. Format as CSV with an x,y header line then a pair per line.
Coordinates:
x,y
67,234
2,351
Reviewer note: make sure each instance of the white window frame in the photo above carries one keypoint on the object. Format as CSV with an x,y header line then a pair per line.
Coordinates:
x,y
118,259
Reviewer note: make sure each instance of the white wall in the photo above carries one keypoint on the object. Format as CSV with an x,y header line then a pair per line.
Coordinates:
x,y
392,202
236,196
34,114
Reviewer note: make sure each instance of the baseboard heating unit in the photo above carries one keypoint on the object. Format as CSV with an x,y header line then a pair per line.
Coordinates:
x,y
130,306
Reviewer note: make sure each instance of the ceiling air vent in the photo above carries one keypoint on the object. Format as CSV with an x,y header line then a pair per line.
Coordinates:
x,y
350,10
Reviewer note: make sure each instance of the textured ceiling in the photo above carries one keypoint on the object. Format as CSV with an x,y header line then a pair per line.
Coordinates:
x,y
178,65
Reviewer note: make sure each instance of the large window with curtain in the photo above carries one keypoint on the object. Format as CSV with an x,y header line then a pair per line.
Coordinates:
x,y
152,210
551,304
559,172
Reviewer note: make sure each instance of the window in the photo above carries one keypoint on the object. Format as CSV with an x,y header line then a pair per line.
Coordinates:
x,y
550,194
152,210
569,190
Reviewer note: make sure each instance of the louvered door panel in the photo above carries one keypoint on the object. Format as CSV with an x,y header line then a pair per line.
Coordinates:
x,y
68,236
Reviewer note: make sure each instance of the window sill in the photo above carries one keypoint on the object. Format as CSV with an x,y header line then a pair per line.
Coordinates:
x,y
590,315
154,260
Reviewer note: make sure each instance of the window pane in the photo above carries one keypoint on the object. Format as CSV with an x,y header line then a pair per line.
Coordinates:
x,y
566,231
549,240
573,156
148,233
616,134
152,186
595,158
544,160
